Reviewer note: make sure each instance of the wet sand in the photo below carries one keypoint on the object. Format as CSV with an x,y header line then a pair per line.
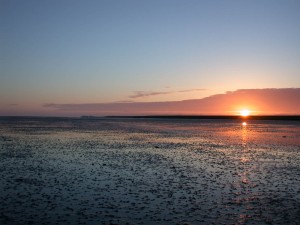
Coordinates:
x,y
149,171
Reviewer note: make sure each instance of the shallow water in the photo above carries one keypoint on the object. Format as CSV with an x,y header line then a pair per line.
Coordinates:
x,y
149,171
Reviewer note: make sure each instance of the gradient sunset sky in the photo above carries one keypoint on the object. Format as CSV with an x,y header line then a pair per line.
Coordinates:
x,y
115,57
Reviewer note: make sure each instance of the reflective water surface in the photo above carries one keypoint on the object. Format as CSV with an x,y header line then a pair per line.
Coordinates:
x,y
149,171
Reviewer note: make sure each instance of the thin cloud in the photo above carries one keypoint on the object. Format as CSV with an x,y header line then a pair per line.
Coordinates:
x,y
125,101
143,94
50,105
193,90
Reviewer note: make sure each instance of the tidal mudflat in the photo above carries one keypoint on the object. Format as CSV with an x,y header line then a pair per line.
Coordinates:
x,y
149,171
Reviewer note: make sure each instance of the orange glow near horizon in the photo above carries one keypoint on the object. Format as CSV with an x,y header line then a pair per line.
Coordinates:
x,y
245,112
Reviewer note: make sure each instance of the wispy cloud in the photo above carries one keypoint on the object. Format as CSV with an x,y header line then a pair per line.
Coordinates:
x,y
143,94
193,90
123,101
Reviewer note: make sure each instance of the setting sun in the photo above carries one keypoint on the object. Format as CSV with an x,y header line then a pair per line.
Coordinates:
x,y
245,112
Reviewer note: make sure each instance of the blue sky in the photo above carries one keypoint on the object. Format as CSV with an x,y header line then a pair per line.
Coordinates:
x,y
106,51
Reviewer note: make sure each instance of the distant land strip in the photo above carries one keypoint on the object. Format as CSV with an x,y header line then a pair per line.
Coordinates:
x,y
187,117
262,117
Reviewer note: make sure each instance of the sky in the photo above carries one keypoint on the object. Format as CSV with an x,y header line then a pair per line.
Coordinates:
x,y
129,52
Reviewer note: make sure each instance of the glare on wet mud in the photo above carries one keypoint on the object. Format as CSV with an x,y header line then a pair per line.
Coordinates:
x,y
138,171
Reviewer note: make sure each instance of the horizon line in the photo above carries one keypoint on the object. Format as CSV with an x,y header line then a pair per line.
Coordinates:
x,y
295,117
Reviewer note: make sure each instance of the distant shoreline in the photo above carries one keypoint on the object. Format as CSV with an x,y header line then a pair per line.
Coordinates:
x,y
262,117
170,117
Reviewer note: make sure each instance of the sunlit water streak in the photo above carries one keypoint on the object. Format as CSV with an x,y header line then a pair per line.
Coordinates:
x,y
149,171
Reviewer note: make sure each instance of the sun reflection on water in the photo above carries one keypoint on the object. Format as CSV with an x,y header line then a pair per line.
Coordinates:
x,y
244,134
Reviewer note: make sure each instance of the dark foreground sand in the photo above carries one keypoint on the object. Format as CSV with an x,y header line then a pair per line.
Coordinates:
x,y
149,171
